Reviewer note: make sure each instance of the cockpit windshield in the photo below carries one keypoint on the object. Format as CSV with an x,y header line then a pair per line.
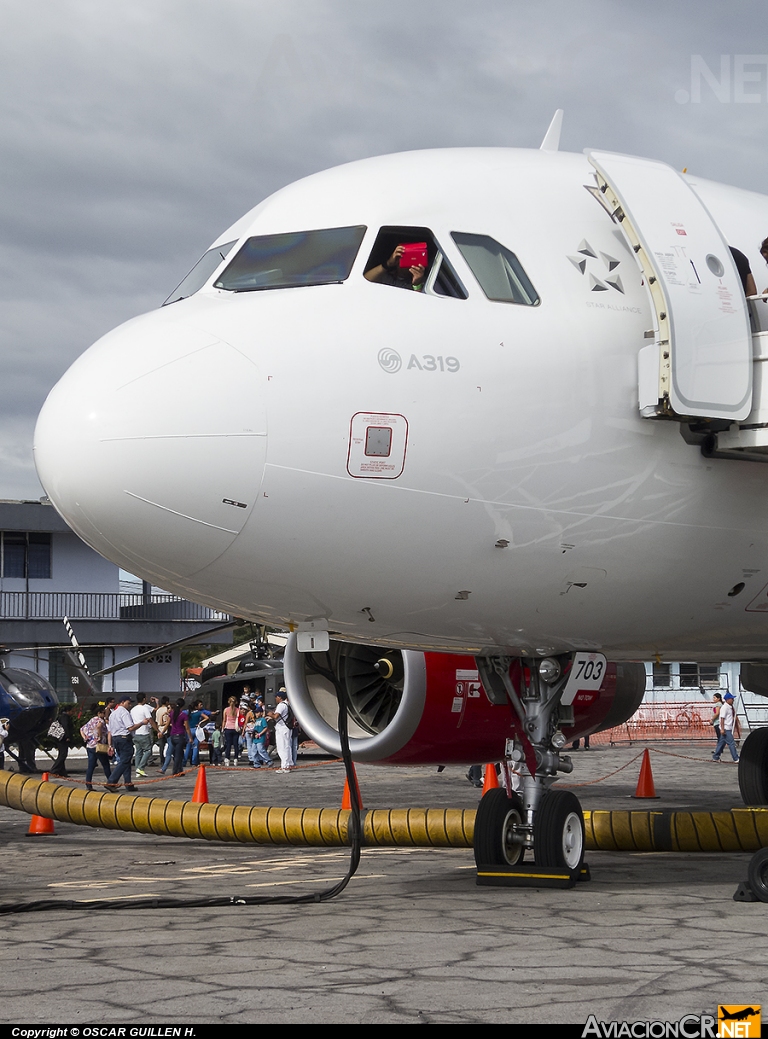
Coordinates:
x,y
498,271
201,272
282,261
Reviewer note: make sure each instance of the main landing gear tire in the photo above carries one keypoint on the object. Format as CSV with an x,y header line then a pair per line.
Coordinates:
x,y
753,768
497,815
558,831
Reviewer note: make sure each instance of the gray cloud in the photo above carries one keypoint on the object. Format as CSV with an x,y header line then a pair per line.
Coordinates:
x,y
133,133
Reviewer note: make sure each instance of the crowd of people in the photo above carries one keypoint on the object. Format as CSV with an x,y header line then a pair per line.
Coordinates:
x,y
122,733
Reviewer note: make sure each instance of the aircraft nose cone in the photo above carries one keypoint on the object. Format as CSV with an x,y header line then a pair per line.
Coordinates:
x,y
152,446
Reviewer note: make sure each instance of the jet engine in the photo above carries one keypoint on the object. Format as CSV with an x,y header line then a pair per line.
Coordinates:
x,y
412,708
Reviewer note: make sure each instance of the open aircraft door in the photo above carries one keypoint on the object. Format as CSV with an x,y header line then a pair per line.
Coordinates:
x,y
700,363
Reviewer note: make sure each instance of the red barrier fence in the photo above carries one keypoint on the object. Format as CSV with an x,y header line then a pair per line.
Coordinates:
x,y
664,721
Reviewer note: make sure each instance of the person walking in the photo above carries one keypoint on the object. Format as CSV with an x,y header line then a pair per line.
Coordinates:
x,y
121,728
94,734
181,734
717,706
142,737
727,722
61,731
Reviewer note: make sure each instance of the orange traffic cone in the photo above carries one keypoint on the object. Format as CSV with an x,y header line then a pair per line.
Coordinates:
x,y
39,826
346,800
645,787
200,796
491,781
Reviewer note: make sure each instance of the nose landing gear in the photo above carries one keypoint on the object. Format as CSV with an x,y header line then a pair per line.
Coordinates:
x,y
549,822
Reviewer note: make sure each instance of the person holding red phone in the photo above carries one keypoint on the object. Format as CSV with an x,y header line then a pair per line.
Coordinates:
x,y
405,268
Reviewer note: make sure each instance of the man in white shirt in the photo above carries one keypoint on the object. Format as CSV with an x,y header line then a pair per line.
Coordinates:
x,y
281,714
120,729
142,737
726,721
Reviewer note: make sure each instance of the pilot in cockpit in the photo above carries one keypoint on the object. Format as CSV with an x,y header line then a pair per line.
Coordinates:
x,y
405,268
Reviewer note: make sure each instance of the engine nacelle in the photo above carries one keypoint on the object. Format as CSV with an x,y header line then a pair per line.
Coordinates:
x,y
413,708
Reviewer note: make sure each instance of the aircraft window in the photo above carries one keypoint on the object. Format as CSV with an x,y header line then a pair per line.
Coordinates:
x,y
498,270
419,249
283,261
200,273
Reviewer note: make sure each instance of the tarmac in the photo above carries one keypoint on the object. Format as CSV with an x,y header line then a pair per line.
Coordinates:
x,y
412,939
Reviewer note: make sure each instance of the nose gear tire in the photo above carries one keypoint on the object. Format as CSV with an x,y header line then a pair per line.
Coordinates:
x,y
497,815
558,831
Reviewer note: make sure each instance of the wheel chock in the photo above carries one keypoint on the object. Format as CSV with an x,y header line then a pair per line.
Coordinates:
x,y
744,893
530,876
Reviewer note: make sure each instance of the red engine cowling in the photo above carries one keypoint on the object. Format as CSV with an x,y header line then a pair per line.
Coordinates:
x,y
413,708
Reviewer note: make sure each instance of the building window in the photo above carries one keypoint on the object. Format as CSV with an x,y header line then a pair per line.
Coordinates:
x,y
696,676
662,676
25,554
709,675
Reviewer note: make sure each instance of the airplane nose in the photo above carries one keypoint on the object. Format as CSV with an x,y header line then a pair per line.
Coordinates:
x,y
156,435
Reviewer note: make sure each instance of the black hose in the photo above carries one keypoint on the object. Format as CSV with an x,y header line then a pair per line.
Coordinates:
x,y
354,831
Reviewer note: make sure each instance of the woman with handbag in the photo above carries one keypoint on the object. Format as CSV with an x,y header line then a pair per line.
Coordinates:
x,y
94,734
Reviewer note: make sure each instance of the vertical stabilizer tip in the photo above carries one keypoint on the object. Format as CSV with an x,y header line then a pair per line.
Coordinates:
x,y
551,140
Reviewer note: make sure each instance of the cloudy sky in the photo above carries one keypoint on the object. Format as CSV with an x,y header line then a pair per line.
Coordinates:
x,y
134,131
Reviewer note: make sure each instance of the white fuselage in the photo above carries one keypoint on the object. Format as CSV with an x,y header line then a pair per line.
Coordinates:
x,y
206,446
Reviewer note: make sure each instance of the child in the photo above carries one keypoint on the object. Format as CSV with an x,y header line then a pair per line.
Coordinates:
x,y
215,744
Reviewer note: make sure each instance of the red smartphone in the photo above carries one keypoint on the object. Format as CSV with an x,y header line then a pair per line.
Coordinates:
x,y
414,255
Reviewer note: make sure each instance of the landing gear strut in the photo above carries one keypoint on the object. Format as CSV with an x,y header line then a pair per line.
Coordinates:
x,y
549,822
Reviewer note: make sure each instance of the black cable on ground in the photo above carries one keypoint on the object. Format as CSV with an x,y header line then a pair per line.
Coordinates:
x,y
355,832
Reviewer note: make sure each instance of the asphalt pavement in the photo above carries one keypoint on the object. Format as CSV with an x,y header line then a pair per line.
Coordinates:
x,y
412,939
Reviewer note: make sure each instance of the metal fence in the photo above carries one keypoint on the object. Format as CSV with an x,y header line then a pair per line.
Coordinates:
x,y
102,606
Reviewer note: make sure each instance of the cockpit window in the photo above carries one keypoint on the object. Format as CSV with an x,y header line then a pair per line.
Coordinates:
x,y
499,272
284,261
201,272
410,258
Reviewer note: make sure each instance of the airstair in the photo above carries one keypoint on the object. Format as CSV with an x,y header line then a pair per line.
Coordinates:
x,y
704,365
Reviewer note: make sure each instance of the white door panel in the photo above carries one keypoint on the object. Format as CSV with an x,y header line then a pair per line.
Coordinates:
x,y
705,363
